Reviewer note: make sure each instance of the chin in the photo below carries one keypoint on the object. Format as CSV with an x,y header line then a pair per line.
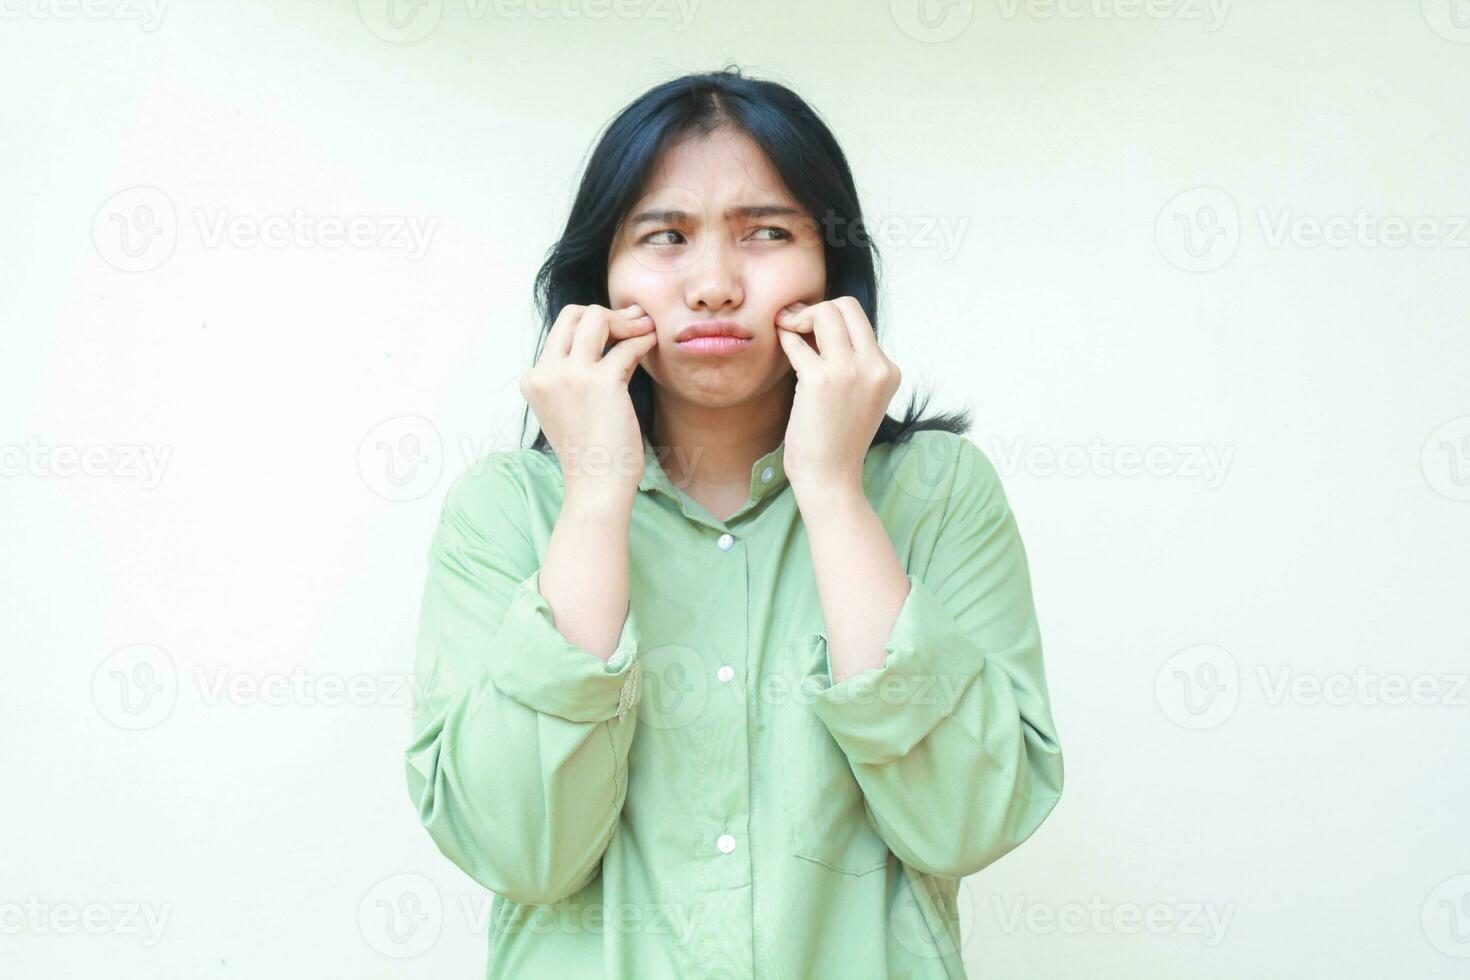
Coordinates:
x,y
722,396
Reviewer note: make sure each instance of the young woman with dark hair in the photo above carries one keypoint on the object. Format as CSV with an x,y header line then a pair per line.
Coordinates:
x,y
729,673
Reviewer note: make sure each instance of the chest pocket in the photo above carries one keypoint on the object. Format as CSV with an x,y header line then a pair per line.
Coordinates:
x,y
824,803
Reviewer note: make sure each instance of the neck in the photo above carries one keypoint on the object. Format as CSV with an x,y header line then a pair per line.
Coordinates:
x,y
713,448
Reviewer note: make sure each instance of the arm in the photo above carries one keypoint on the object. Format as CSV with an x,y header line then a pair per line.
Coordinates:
x,y
518,762
948,727
860,581
584,576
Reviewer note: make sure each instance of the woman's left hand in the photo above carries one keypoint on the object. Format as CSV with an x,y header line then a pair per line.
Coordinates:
x,y
843,386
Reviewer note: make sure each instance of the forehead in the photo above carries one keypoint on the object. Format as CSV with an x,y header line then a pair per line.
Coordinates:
x,y
719,168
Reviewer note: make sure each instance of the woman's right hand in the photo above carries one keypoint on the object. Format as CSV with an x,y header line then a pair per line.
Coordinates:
x,y
578,389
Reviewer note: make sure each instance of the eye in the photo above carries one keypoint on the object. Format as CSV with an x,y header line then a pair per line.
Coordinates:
x,y
782,232
664,231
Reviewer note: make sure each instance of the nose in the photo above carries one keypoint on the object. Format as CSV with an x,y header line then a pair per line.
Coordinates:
x,y
715,278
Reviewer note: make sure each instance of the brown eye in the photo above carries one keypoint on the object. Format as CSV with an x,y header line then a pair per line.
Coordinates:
x,y
666,231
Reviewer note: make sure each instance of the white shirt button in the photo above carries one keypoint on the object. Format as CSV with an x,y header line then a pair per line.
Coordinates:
x,y
766,474
726,843
725,673
726,542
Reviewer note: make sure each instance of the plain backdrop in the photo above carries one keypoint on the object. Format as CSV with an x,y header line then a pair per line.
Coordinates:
x,y
1202,270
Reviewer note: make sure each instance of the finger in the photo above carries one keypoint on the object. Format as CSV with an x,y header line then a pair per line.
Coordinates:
x,y
794,316
831,331
624,356
631,324
597,324
859,327
559,337
798,351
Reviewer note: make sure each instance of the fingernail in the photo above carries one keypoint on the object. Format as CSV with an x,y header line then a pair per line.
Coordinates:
x,y
635,308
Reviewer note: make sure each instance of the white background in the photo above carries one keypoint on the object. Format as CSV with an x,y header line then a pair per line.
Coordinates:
x,y
305,404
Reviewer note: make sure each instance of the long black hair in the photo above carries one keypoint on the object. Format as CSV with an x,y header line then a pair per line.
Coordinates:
x,y
801,150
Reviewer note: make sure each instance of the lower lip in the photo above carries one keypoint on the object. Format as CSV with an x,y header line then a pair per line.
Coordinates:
x,y
714,345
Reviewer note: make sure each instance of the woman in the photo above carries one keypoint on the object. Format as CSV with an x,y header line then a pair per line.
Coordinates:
x,y
750,702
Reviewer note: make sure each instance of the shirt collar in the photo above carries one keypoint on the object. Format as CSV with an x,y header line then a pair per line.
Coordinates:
x,y
767,474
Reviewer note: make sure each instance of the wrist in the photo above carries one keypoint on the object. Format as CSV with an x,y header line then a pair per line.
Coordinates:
x,y
829,491
598,503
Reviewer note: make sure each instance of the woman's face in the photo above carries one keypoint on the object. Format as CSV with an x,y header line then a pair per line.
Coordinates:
x,y
694,248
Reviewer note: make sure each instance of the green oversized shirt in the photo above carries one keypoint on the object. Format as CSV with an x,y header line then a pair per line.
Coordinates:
x,y
706,803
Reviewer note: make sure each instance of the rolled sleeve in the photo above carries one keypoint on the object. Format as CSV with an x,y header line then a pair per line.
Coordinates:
x,y
880,714
952,738
517,764
534,663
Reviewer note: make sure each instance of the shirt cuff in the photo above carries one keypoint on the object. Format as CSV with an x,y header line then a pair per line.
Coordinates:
x,y
533,663
880,714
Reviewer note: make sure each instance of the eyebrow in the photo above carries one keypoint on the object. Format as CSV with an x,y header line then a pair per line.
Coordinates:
x,y
675,216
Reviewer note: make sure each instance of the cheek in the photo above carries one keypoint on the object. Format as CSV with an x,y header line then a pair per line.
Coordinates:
x,y
630,281
802,276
